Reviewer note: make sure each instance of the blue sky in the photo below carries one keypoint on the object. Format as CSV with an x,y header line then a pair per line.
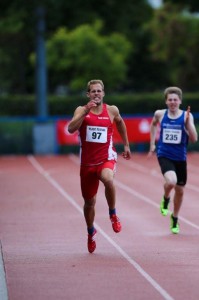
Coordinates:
x,y
155,3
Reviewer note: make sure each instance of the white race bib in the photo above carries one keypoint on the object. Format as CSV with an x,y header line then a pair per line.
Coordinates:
x,y
96,134
172,136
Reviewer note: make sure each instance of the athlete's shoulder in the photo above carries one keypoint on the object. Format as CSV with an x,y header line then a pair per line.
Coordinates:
x,y
78,109
159,113
113,109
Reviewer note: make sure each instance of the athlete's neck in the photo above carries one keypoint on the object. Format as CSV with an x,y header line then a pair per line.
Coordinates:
x,y
97,110
174,114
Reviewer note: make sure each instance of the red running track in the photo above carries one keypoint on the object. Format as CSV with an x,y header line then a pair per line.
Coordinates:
x,y
43,233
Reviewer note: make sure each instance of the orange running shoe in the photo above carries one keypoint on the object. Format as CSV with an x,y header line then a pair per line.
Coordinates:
x,y
117,227
91,242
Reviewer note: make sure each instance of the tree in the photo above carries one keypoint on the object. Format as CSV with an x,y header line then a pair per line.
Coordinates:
x,y
17,30
191,5
175,42
16,40
74,57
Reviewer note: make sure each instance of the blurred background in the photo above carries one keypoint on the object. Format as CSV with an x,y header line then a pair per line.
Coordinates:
x,y
50,49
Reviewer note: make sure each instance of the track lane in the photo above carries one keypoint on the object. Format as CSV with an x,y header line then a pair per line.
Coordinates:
x,y
148,244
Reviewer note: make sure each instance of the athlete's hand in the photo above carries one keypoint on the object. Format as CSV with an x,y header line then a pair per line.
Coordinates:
x,y
89,105
127,153
187,114
151,150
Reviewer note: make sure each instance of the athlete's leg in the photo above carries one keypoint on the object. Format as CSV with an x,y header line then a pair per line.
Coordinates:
x,y
177,200
89,215
107,176
181,171
89,187
170,182
89,211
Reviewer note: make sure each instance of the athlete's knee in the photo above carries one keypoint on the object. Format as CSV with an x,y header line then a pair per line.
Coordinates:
x,y
171,179
89,203
108,183
171,182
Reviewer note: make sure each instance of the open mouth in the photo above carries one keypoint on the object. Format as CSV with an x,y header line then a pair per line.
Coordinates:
x,y
97,101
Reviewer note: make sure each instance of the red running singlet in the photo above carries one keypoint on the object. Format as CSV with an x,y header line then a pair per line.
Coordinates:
x,y
96,139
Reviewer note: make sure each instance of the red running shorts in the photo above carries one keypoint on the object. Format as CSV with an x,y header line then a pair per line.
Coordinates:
x,y
90,175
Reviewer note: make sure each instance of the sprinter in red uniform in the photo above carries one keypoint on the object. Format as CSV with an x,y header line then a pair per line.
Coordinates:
x,y
98,157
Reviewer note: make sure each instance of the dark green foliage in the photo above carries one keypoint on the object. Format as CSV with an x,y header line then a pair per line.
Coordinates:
x,y
192,5
163,44
145,103
16,137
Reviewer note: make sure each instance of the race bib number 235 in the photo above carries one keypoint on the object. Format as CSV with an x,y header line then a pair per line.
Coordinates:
x,y
172,136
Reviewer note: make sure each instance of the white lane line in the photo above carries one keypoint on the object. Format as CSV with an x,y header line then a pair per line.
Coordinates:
x,y
3,286
149,201
153,172
39,168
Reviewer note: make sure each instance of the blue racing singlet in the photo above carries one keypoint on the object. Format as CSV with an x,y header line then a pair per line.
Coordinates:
x,y
173,139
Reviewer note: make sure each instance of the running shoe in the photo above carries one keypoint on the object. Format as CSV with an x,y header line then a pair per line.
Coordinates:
x,y
174,226
91,242
164,206
117,227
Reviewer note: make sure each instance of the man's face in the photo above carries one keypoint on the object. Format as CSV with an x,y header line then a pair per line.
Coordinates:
x,y
96,93
173,102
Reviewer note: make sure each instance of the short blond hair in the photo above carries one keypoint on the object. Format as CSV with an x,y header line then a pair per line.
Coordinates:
x,y
173,90
94,81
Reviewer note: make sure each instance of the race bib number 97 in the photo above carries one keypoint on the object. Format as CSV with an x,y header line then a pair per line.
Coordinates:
x,y
96,134
172,136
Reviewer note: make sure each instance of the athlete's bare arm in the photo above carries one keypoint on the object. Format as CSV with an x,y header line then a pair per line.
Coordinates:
x,y
79,115
158,115
121,127
190,127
